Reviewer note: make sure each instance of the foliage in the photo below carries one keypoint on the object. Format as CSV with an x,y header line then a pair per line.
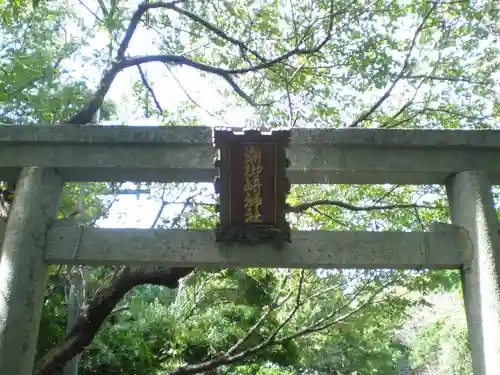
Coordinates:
x,y
325,64
212,311
53,322
38,87
439,341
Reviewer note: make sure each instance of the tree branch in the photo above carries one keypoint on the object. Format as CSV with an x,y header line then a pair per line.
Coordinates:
x,y
272,307
102,305
315,327
121,62
150,89
226,360
324,202
404,107
457,114
220,33
402,121
301,207
181,60
426,77
109,76
134,22
406,63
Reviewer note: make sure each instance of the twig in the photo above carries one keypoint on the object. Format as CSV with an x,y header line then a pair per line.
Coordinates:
x,y
420,221
404,120
188,201
150,89
288,82
316,328
192,99
249,333
406,63
197,298
457,114
426,77
221,34
117,310
162,207
386,194
90,11
328,216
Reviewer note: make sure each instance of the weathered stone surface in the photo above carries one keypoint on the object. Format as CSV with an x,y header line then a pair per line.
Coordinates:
x,y
23,271
203,135
96,134
445,247
164,154
472,207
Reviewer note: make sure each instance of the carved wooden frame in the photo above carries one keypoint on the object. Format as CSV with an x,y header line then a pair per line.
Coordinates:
x,y
233,178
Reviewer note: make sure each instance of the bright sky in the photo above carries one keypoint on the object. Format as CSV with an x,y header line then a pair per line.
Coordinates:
x,y
129,211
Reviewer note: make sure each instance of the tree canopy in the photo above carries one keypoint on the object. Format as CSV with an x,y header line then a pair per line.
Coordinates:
x,y
293,63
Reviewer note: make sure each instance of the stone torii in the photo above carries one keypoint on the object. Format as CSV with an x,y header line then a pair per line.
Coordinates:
x,y
41,158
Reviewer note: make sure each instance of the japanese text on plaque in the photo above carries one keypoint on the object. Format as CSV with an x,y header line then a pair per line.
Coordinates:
x,y
252,184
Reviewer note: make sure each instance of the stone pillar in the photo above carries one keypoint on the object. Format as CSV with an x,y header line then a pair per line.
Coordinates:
x,y
472,208
23,272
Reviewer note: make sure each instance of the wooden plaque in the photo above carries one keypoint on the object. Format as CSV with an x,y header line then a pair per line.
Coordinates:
x,y
252,186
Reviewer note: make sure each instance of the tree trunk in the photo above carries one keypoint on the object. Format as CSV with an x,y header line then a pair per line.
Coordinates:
x,y
99,308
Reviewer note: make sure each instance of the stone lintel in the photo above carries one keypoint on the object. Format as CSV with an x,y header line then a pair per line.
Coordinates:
x,y
186,154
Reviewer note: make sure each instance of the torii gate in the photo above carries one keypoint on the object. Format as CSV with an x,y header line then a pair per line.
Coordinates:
x,y
43,157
